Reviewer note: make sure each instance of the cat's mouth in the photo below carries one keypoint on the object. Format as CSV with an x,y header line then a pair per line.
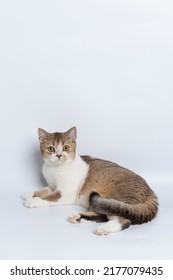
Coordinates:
x,y
59,159
56,159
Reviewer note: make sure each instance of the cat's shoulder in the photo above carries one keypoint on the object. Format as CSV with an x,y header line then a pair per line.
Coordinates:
x,y
97,161
87,159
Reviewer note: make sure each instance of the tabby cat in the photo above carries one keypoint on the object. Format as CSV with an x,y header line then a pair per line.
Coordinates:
x,y
111,193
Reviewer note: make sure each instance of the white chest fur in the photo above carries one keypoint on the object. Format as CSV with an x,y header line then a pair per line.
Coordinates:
x,y
68,178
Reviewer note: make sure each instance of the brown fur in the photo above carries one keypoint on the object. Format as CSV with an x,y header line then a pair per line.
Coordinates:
x,y
114,190
54,196
41,193
46,195
92,216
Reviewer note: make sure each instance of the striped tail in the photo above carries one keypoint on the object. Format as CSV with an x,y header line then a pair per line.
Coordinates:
x,y
136,213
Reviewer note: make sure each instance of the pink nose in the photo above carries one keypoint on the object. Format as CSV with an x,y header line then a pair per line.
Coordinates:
x,y
59,156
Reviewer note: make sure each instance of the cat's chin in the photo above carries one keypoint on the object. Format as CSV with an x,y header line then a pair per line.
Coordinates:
x,y
54,163
58,162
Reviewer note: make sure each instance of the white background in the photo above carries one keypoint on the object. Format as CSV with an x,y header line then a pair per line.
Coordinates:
x,y
105,67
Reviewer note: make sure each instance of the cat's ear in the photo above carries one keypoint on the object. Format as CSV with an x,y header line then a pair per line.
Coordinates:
x,y
42,135
72,133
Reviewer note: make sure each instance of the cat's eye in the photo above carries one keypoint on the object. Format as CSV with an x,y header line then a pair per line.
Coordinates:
x,y
66,148
51,149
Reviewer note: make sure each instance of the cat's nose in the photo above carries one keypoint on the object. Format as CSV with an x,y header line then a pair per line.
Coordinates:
x,y
59,156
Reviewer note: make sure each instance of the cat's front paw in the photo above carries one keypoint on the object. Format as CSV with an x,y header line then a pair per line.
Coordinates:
x,y
74,219
26,196
34,202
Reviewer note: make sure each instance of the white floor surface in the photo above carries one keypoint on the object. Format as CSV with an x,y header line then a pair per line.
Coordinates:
x,y
44,233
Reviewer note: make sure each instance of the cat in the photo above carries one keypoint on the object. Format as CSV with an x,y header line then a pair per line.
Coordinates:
x,y
110,193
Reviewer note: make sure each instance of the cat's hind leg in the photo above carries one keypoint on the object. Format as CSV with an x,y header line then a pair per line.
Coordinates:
x,y
114,224
86,217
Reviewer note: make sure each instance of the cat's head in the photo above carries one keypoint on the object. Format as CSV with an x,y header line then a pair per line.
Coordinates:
x,y
58,148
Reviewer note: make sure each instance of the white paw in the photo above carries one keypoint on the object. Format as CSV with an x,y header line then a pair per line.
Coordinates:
x,y
26,196
34,202
74,219
111,226
101,231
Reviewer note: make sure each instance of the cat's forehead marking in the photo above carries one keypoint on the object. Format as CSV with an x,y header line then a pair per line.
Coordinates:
x,y
59,147
55,139
60,137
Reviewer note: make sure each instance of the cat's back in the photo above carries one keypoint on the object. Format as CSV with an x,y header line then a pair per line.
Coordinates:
x,y
114,181
102,168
